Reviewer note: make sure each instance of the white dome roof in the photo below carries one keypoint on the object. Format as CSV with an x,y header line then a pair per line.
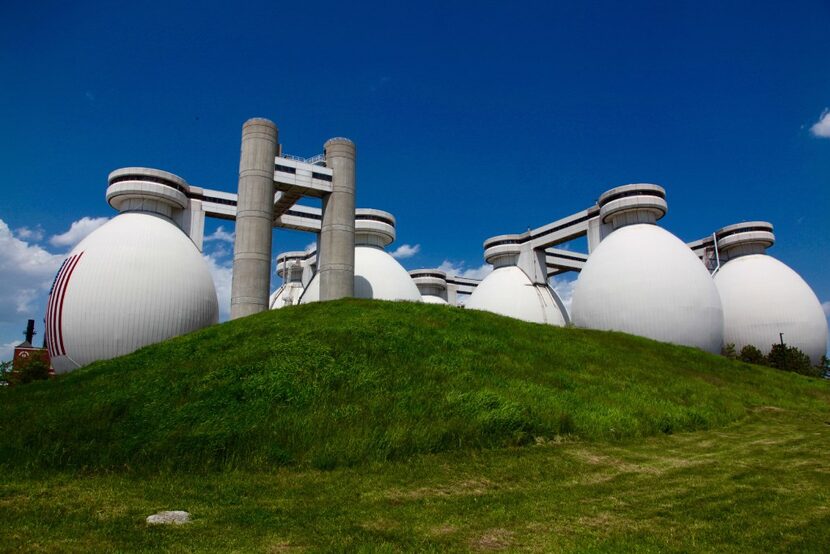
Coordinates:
x,y
431,299
134,281
287,295
763,297
643,280
509,291
376,275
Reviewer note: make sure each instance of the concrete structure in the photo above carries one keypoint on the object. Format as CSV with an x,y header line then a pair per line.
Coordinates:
x,y
377,275
645,281
254,219
432,284
763,299
518,285
143,278
270,184
509,291
760,297
142,275
290,266
336,263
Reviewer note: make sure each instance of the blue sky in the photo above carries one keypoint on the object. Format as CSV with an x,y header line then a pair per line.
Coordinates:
x,y
471,118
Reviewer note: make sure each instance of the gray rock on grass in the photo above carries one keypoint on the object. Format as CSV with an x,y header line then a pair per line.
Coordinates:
x,y
175,517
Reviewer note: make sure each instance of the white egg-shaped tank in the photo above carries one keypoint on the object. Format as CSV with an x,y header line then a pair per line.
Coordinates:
x,y
509,291
134,281
643,280
763,297
377,275
432,284
290,268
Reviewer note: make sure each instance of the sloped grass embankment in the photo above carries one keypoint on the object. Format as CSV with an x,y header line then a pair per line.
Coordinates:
x,y
349,382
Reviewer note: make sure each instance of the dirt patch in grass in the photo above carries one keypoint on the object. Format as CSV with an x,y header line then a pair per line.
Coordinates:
x,y
443,530
279,547
379,525
620,466
469,487
768,409
606,522
492,540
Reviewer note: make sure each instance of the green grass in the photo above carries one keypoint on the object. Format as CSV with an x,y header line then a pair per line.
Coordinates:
x,y
358,425
762,485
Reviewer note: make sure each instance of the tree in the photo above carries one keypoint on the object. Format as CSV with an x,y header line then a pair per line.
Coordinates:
x,y
33,368
790,358
36,369
728,351
5,373
751,355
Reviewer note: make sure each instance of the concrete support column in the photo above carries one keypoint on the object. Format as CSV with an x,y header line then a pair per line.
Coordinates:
x,y
251,282
335,250
452,294
191,220
533,262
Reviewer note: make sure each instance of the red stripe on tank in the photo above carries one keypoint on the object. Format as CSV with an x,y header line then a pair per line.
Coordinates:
x,y
74,264
50,310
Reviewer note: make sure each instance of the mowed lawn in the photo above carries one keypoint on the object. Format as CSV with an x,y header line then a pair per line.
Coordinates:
x,y
370,426
758,485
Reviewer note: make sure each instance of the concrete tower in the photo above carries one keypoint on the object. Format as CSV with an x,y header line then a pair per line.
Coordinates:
x,y
251,281
335,252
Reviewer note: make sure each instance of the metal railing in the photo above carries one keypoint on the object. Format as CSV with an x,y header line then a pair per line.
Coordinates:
x,y
313,160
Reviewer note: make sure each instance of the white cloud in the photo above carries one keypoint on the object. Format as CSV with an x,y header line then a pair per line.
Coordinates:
x,y
821,128
826,307
31,235
222,273
220,252
26,273
77,231
406,251
459,270
7,350
220,235
564,288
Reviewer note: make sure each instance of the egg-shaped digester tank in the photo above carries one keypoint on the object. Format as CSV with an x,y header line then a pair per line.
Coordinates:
x,y
643,280
136,280
763,298
510,291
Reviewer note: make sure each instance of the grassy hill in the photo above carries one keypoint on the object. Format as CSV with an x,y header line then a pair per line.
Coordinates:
x,y
358,426
349,382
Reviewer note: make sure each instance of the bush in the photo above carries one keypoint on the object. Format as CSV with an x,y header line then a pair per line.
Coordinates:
x,y
36,369
790,358
728,351
5,373
751,355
